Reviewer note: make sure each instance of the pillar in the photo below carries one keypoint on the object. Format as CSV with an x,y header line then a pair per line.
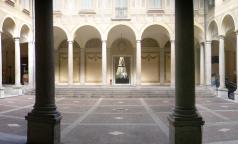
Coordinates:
x,y
236,93
30,64
138,62
221,62
17,62
162,70
208,63
1,87
70,62
202,64
104,62
43,122
172,63
82,66
185,124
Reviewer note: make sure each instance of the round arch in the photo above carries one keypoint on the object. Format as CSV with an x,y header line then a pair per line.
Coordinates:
x,y
164,26
213,31
59,35
84,33
105,36
74,31
227,24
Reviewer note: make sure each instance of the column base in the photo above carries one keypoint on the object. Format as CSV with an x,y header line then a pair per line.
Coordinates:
x,y
236,96
185,130
19,90
1,92
43,128
222,93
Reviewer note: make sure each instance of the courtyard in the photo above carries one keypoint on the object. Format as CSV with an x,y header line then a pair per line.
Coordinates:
x,y
119,120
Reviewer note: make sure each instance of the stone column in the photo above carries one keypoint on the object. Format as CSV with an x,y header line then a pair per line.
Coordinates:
x,y
104,62
82,66
172,63
43,122
202,64
221,62
208,63
17,62
236,93
70,62
138,62
185,122
162,66
30,63
1,88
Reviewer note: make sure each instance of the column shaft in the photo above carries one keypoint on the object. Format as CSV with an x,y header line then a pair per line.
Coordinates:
x,y
138,62
208,62
17,62
104,62
30,63
237,59
43,122
172,63
1,88
70,62
1,61
221,62
202,64
162,71
82,66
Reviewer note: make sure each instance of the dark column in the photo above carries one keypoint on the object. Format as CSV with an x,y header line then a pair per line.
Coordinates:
x,y
44,120
185,122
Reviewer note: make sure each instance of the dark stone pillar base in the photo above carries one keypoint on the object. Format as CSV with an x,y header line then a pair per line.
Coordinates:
x,y
43,129
185,130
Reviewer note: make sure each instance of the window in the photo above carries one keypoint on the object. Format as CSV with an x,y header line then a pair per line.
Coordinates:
x,y
25,4
56,5
87,4
195,4
155,4
121,8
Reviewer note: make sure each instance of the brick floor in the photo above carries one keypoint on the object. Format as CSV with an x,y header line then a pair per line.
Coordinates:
x,y
119,120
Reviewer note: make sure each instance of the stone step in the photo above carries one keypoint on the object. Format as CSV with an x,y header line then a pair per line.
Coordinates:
x,y
122,92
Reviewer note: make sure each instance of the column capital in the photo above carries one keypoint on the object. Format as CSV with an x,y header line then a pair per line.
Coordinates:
x,y
16,38
236,31
104,41
138,40
70,41
221,36
172,40
208,42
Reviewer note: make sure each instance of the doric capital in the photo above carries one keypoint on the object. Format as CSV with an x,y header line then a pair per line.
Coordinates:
x,y
104,41
70,41
221,36
208,42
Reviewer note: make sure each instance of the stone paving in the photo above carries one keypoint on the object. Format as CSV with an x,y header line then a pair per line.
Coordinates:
x,y
119,120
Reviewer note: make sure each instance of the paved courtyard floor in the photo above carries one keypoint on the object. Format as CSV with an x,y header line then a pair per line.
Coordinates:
x,y
119,121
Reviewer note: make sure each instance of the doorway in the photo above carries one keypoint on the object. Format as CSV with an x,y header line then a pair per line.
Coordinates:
x,y
121,70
